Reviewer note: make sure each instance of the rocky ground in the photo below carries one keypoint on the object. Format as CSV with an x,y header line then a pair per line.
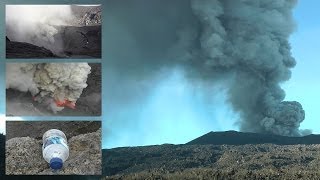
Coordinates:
x,y
200,160
24,154
208,161
89,104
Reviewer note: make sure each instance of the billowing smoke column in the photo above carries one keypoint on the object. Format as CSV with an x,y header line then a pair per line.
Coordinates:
x,y
55,85
244,42
37,24
250,39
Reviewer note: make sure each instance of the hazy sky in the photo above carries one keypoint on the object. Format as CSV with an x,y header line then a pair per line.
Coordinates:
x,y
159,127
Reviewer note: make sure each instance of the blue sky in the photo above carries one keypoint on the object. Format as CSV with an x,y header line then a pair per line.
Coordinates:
x,y
175,112
304,87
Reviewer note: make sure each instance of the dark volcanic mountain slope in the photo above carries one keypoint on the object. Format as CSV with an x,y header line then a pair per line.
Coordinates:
x,y
210,161
200,159
165,158
241,138
26,50
84,41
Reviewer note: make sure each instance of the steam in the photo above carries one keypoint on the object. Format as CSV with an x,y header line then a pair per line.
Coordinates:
x,y
49,83
37,24
242,44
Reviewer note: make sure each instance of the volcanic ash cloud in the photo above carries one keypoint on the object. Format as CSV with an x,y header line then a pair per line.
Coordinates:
x,y
55,85
249,39
242,43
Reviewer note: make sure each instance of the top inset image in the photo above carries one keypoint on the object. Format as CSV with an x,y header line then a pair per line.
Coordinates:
x,y
53,31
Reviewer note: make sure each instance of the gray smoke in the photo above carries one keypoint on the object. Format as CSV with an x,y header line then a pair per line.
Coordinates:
x,y
38,24
242,42
49,82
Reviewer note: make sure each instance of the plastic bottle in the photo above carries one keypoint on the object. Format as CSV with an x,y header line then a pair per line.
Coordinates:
x,y
55,149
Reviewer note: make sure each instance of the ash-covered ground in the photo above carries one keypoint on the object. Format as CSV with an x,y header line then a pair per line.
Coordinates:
x,y
224,155
24,150
89,104
78,36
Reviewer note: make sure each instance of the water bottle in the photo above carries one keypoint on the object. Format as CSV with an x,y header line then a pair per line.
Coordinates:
x,y
55,149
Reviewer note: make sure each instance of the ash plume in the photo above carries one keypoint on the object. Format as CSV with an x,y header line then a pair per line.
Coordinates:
x,y
242,42
51,84
250,39
38,24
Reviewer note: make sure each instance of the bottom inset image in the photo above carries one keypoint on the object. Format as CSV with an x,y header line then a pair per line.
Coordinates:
x,y
53,148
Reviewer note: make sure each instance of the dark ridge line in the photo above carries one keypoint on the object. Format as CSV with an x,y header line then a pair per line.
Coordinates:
x,y
242,138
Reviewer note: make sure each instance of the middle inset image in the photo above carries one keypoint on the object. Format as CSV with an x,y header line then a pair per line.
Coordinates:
x,y
53,89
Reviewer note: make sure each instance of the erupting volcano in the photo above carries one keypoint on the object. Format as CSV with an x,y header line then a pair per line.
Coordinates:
x,y
53,86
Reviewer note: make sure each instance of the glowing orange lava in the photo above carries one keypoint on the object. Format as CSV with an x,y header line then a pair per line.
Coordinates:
x,y
65,103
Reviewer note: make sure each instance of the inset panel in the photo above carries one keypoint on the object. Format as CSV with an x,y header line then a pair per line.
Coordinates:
x,y
53,89
53,148
53,31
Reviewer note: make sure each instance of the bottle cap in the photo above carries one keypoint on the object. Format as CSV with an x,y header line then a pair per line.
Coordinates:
x,y
56,163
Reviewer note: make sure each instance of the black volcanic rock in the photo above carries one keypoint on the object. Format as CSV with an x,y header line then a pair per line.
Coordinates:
x,y
241,138
26,50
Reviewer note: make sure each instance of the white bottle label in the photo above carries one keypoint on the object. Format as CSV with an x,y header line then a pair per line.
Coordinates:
x,y
55,140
